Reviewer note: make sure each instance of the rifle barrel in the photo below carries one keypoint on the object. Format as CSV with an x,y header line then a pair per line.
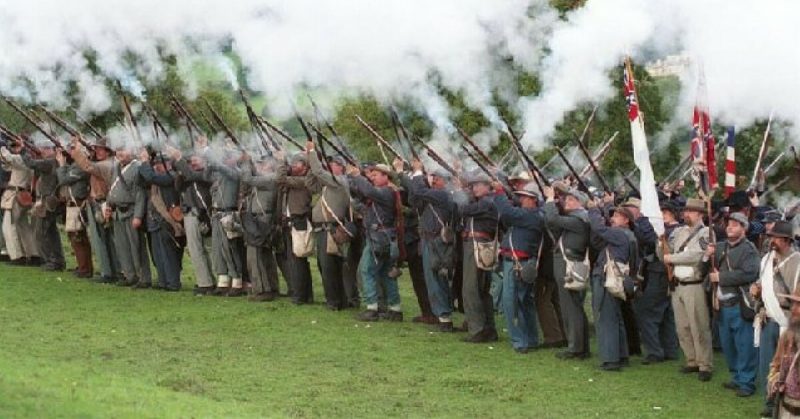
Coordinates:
x,y
582,186
380,139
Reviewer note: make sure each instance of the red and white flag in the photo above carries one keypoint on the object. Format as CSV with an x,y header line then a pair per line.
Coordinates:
x,y
641,153
703,144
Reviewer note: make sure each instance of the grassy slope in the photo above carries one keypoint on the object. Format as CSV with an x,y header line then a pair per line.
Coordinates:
x,y
75,349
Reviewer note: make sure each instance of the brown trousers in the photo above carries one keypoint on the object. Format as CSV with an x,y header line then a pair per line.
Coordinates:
x,y
83,252
548,310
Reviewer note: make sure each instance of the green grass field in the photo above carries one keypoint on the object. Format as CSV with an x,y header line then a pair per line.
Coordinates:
x,y
70,348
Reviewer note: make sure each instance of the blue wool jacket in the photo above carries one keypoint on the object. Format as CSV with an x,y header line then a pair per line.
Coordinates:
x,y
617,240
523,227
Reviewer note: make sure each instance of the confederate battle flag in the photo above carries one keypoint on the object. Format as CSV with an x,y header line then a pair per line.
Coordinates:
x,y
703,145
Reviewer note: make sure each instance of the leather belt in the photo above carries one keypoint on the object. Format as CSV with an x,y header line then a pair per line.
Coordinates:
x,y
477,235
699,281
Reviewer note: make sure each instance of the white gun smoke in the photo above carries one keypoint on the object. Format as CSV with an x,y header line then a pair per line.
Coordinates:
x,y
408,49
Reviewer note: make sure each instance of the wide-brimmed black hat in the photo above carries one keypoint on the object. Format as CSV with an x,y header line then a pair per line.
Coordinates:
x,y
783,229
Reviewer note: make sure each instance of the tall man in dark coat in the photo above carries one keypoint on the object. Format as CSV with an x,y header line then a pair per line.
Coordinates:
x,y
295,207
437,244
735,267
520,250
381,200
480,225
570,232
615,243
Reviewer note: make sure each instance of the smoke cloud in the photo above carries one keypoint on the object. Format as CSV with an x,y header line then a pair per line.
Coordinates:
x,y
405,49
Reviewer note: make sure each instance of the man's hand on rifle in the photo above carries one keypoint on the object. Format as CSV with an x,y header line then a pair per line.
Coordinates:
x,y
416,166
200,142
608,198
711,249
172,152
714,276
144,156
549,193
457,166
61,158
280,154
310,146
397,164
353,170
244,156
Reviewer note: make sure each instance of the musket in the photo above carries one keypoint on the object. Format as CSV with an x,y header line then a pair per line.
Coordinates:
x,y
157,125
380,139
534,170
221,123
435,156
189,127
588,155
266,139
283,134
675,170
630,183
11,134
131,121
486,170
776,186
89,125
178,105
761,153
330,127
321,154
581,186
30,120
505,159
600,154
66,127
208,122
335,148
775,161
398,123
478,151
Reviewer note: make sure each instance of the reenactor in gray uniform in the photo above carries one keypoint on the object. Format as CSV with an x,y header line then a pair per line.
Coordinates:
x,y
73,189
686,247
332,219
260,179
437,245
734,268
616,246
295,207
125,207
47,208
480,233
412,211
194,186
569,226
226,232
163,222
100,228
17,227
